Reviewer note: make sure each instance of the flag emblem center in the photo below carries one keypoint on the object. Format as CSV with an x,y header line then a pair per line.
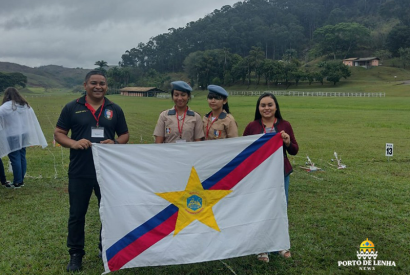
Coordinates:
x,y
194,203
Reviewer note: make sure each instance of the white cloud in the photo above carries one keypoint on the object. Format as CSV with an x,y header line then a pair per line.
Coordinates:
x,y
77,33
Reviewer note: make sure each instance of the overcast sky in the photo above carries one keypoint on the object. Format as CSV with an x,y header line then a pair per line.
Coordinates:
x,y
77,33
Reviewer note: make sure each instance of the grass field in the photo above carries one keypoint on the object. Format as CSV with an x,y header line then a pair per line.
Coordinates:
x,y
330,212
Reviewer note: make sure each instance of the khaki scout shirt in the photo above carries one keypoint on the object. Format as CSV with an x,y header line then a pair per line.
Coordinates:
x,y
167,126
223,127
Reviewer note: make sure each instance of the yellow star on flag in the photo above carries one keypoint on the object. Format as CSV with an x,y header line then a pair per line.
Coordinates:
x,y
194,203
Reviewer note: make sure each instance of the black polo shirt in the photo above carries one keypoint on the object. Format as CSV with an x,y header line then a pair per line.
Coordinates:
x,y
76,117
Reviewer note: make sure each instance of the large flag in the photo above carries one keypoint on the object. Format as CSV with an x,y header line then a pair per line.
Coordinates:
x,y
167,204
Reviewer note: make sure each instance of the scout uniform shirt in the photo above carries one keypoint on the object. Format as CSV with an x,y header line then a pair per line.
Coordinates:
x,y
222,127
187,129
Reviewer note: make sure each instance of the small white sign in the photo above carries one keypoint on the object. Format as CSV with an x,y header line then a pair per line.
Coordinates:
x,y
389,149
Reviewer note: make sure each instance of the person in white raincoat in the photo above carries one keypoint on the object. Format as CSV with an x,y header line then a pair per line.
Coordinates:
x,y
19,128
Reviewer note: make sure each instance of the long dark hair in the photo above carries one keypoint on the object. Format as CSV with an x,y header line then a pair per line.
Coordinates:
x,y
11,94
226,107
277,113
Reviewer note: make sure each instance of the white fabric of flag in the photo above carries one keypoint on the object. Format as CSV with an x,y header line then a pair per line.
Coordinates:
x,y
180,203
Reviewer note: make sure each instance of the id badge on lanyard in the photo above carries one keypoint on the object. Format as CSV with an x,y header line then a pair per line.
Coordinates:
x,y
97,132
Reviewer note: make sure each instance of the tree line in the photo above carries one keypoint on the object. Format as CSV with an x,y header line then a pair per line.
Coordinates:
x,y
270,40
221,67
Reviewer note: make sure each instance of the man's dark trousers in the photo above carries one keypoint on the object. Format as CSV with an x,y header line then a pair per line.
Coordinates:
x,y
80,191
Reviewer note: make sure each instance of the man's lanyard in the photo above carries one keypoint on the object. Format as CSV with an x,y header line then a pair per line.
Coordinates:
x,y
182,126
208,128
273,126
89,107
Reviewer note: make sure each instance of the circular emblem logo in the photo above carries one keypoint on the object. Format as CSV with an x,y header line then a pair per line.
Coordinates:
x,y
194,204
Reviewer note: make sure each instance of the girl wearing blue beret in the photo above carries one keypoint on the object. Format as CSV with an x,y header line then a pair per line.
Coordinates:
x,y
179,124
219,123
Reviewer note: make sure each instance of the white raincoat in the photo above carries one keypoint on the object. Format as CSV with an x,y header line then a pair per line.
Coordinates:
x,y
19,128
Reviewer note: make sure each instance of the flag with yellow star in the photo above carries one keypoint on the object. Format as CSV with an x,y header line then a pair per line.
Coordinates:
x,y
167,204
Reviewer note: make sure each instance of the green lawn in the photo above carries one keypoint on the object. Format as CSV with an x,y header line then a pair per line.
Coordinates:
x,y
330,213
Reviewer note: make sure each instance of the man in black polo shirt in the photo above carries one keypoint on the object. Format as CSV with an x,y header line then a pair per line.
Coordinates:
x,y
92,118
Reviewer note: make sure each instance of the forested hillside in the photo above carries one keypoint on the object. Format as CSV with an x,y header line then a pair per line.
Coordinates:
x,y
230,44
275,26
50,76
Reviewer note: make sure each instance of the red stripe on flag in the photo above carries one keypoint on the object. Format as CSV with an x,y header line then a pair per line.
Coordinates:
x,y
143,243
249,164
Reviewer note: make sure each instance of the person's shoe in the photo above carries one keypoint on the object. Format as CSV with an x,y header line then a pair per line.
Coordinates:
x,y
18,185
264,257
285,254
5,183
9,185
75,263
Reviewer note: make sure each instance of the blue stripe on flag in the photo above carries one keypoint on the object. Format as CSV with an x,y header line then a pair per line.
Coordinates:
x,y
141,230
236,161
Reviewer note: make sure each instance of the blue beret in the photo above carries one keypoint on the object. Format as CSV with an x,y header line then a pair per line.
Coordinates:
x,y
181,86
217,90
